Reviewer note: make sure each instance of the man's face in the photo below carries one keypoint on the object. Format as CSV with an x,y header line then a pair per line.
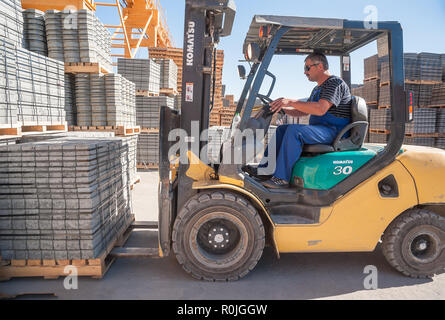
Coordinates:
x,y
312,70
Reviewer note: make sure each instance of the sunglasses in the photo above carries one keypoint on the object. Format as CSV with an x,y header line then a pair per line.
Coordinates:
x,y
307,68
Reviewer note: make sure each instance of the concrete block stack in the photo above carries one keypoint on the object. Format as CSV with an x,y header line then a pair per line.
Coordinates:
x,y
216,136
105,100
65,198
169,74
380,119
78,36
70,99
34,31
148,148
147,110
11,21
424,121
144,73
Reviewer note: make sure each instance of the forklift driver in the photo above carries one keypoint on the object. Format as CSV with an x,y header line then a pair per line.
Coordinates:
x,y
330,108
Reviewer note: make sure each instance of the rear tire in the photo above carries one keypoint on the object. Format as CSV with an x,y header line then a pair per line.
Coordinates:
x,y
414,243
218,236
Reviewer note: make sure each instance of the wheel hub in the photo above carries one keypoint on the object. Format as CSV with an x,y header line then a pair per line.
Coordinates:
x,y
218,237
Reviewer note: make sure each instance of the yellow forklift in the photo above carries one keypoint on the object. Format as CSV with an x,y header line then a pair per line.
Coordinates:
x,y
344,197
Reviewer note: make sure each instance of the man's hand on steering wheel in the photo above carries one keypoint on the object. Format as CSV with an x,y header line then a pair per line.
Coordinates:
x,y
280,104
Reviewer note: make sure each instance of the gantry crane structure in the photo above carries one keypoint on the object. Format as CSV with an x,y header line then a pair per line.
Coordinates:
x,y
142,22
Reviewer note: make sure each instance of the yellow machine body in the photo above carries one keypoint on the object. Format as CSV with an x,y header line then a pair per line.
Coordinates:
x,y
356,221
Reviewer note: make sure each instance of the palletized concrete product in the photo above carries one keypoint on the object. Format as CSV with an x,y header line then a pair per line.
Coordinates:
x,y
148,148
147,110
32,86
70,99
420,141
371,91
11,21
169,73
83,103
144,73
54,34
442,59
378,138
424,121
430,67
77,36
120,100
65,198
438,95
439,143
372,67
440,121
216,136
34,31
380,119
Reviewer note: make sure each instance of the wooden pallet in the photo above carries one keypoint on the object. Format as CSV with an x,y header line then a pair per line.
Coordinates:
x,y
85,67
440,106
422,82
372,103
53,269
118,130
384,107
384,84
422,135
168,91
145,93
380,131
149,130
21,130
371,79
147,166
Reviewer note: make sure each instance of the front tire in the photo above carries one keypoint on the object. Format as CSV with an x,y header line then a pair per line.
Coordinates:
x,y
414,243
218,236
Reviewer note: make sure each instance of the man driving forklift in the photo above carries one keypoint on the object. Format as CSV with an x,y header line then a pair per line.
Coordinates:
x,y
330,108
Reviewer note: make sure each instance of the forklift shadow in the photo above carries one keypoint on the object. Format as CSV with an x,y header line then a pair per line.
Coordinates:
x,y
323,275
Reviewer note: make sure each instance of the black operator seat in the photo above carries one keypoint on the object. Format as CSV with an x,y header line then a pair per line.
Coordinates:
x,y
358,129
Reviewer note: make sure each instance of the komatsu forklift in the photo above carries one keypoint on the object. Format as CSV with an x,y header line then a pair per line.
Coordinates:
x,y
344,197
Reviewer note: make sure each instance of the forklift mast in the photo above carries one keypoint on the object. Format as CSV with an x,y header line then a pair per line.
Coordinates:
x,y
205,22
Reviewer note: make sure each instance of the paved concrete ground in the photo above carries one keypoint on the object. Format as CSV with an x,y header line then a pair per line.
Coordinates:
x,y
294,276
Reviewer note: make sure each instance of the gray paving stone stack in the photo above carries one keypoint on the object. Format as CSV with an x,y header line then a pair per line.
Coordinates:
x,y
378,138
217,135
8,84
420,141
440,120
70,30
70,99
144,73
380,119
11,21
430,66
147,110
83,38
65,198
54,34
98,100
120,100
148,148
424,121
34,31
169,73
438,95
442,59
83,102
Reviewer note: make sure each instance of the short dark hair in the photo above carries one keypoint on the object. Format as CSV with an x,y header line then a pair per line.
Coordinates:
x,y
317,57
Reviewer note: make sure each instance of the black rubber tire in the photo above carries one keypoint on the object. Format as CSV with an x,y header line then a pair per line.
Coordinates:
x,y
218,206
399,243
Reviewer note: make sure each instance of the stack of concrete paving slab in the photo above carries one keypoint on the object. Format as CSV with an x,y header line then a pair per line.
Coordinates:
x,y
77,36
169,73
70,99
65,198
148,148
105,100
147,110
34,31
144,73
424,121
31,87
11,21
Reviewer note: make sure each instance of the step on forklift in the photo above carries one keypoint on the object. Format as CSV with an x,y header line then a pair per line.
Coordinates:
x,y
344,197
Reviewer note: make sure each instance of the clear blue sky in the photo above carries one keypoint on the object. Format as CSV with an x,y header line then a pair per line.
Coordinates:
x,y
423,23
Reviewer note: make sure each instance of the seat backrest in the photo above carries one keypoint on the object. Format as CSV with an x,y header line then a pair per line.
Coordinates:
x,y
359,113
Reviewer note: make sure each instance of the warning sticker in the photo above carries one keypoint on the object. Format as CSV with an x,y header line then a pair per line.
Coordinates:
x,y
189,92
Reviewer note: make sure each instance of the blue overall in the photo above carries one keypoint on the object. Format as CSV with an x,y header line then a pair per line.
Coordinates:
x,y
291,137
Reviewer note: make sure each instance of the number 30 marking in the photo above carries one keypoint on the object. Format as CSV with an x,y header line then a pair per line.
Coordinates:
x,y
342,170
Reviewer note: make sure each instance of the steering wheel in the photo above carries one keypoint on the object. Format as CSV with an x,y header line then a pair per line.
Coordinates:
x,y
266,100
